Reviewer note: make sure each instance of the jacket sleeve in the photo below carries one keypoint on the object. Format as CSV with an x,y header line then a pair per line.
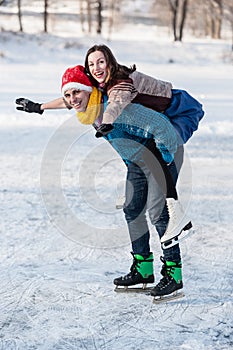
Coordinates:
x,y
119,96
149,85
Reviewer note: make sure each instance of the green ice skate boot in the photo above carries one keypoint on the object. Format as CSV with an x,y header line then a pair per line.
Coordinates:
x,y
171,281
141,271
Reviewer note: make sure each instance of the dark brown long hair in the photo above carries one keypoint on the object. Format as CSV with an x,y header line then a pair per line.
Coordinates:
x,y
116,70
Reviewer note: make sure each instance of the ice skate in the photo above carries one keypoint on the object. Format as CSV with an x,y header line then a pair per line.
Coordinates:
x,y
167,288
141,272
178,223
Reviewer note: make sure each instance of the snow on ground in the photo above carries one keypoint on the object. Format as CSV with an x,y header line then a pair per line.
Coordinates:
x,y
63,242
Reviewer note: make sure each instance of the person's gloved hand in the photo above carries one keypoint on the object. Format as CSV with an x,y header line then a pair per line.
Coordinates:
x,y
103,130
28,106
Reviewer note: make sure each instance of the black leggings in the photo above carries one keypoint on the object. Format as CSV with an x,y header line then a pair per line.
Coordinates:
x,y
159,169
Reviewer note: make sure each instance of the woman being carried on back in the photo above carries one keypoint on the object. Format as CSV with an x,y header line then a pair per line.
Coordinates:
x,y
125,85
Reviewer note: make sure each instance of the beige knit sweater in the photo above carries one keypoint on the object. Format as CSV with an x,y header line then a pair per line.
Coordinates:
x,y
125,91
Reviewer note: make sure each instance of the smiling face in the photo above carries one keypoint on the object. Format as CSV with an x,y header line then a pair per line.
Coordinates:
x,y
97,66
78,99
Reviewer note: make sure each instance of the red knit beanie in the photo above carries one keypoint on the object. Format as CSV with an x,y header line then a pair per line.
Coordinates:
x,y
75,78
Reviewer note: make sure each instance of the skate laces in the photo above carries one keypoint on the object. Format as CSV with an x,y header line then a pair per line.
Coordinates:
x,y
134,266
171,210
165,280
166,272
133,270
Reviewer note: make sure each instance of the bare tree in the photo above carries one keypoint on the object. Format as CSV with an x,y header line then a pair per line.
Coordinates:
x,y
81,11
111,15
213,18
216,18
46,15
20,15
228,12
179,12
90,10
89,16
99,17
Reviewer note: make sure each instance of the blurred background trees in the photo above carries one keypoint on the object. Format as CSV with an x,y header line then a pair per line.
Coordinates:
x,y
200,18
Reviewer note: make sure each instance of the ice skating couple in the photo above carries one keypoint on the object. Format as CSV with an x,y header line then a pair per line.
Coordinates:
x,y
159,120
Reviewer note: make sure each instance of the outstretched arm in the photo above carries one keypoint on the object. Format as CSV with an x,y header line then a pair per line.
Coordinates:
x,y
54,104
33,107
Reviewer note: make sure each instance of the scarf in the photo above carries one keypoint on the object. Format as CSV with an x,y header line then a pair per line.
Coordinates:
x,y
93,108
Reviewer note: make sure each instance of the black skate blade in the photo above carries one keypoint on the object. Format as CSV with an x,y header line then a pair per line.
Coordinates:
x,y
173,241
170,297
126,289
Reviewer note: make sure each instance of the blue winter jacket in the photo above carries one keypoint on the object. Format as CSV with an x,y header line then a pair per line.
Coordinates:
x,y
185,113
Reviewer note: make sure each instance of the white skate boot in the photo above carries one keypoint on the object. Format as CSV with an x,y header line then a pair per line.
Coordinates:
x,y
178,222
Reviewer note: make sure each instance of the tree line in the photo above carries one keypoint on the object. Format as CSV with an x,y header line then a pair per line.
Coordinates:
x,y
202,17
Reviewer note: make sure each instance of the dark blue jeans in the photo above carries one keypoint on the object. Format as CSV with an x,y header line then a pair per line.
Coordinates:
x,y
142,194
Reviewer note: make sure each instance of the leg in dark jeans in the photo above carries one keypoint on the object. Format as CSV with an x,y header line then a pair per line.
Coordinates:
x,y
173,253
135,210
159,169
155,194
137,202
141,271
